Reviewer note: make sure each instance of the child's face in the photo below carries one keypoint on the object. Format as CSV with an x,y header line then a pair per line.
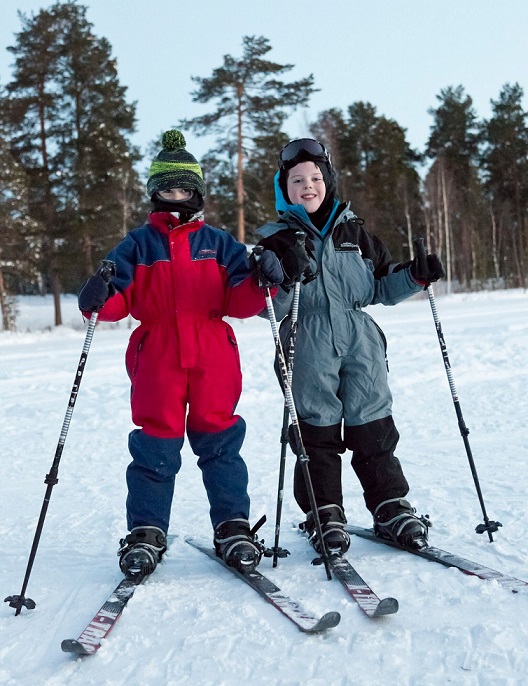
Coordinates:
x,y
305,186
175,194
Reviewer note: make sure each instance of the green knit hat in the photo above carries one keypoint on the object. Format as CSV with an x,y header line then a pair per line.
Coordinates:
x,y
174,167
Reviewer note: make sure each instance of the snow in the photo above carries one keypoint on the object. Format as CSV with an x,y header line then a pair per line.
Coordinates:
x,y
194,622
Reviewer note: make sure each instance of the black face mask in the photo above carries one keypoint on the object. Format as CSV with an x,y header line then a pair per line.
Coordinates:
x,y
320,216
185,208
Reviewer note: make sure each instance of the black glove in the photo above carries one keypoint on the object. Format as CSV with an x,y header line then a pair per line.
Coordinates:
x,y
265,269
427,271
94,293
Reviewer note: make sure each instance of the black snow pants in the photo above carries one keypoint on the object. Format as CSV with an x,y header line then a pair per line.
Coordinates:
x,y
377,468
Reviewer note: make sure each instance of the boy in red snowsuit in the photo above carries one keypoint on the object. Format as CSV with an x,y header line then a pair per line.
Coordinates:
x,y
180,277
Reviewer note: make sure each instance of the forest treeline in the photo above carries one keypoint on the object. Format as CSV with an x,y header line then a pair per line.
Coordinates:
x,y
71,181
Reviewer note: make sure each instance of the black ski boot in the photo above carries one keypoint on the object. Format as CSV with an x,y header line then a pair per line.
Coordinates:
x,y
235,545
395,520
332,520
141,550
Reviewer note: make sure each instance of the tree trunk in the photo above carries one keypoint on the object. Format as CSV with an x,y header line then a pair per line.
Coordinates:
x,y
88,253
126,208
519,252
8,311
446,230
427,228
241,233
494,246
56,288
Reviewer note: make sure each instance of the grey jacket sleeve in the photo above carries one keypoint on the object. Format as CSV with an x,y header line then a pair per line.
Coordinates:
x,y
395,287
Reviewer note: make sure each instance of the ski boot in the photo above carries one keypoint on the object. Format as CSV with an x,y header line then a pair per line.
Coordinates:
x,y
395,520
332,520
236,546
141,550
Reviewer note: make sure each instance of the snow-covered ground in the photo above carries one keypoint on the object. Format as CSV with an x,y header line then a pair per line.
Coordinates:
x,y
195,623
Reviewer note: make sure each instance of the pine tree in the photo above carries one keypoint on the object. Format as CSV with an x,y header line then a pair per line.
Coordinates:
x,y
505,162
68,122
453,186
376,170
252,103
17,230
330,128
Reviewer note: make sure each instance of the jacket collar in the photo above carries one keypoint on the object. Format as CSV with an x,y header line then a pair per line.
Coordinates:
x,y
166,222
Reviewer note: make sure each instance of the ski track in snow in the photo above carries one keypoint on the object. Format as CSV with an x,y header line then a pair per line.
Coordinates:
x,y
192,621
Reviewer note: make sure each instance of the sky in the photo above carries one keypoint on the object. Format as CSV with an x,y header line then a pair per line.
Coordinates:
x,y
395,54
195,623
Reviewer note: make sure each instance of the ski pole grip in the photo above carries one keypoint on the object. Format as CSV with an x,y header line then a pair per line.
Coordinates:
x,y
107,269
421,255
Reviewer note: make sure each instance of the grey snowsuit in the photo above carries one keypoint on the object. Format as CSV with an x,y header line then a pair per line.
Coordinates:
x,y
340,370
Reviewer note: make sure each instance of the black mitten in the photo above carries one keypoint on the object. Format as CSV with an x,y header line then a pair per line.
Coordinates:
x,y
427,271
295,262
266,269
94,294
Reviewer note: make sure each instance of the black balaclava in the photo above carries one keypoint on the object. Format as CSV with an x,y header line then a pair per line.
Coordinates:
x,y
320,216
185,208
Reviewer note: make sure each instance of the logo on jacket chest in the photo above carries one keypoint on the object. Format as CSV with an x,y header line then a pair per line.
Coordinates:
x,y
206,254
347,246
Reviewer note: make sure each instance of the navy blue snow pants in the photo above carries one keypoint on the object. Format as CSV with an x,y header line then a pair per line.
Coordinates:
x,y
156,461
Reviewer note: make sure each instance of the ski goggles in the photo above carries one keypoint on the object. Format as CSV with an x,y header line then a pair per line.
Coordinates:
x,y
294,148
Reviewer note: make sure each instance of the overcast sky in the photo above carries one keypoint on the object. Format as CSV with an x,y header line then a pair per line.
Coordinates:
x,y
395,54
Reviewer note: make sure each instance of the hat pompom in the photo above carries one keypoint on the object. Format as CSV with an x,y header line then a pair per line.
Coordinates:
x,y
173,140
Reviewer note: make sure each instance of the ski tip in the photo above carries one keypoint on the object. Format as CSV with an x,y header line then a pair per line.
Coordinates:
x,y
386,606
328,621
71,645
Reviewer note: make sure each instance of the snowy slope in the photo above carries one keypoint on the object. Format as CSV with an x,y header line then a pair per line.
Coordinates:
x,y
193,622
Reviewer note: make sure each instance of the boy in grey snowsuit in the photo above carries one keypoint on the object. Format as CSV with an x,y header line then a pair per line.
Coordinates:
x,y
339,378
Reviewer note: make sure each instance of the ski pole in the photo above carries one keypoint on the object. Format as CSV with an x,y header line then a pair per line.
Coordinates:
x,y
276,550
300,451
487,525
106,270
